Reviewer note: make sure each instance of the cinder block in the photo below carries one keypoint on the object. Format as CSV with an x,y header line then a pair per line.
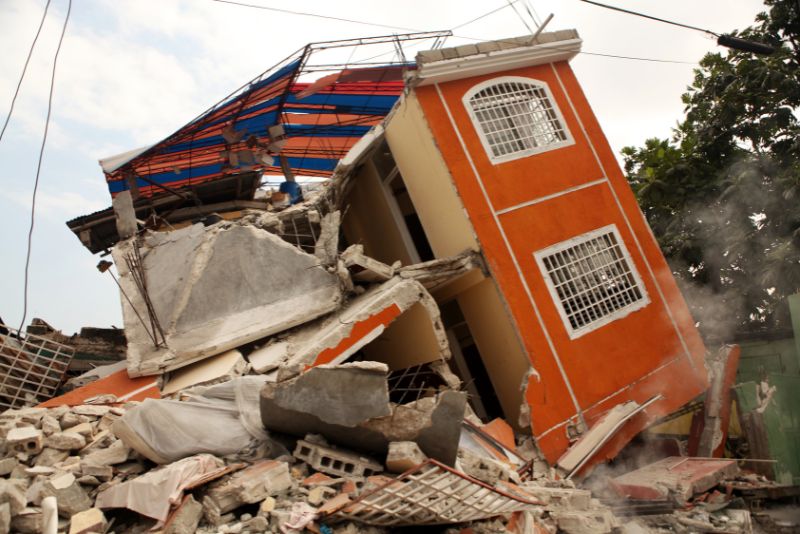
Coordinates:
x,y
335,462
25,440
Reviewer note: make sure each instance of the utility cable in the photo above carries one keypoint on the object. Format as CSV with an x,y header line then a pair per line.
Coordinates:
x,y
532,12
629,12
24,69
316,15
519,15
493,11
255,6
39,167
726,40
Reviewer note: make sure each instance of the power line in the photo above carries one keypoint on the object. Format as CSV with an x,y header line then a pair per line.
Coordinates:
x,y
39,167
24,69
629,12
726,40
493,11
511,5
532,12
266,8
316,15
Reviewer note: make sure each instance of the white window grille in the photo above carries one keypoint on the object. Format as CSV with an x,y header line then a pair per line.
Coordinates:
x,y
592,279
516,117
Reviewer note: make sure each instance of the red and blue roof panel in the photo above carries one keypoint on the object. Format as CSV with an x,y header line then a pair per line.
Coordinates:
x,y
321,121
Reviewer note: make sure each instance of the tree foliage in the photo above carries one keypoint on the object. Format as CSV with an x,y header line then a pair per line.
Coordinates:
x,y
723,195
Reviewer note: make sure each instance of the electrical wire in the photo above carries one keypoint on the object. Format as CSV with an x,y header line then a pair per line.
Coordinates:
x,y
629,12
598,54
476,19
316,15
24,69
532,12
39,167
524,22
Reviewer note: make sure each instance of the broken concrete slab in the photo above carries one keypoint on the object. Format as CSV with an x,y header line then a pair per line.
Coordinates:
x,y
309,405
88,521
14,495
363,268
713,421
343,395
114,454
185,518
591,442
677,476
70,496
336,338
250,485
215,288
66,441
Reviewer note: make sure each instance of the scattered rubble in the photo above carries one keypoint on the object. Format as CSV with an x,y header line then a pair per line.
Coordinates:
x,y
277,378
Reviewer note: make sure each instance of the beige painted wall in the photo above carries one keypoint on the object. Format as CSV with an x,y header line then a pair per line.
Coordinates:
x,y
368,220
408,341
428,181
498,343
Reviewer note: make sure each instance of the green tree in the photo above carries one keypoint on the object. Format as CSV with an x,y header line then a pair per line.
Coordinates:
x,y
723,195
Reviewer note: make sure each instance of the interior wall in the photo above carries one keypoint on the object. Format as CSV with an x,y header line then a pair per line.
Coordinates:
x,y
498,343
408,341
428,181
368,220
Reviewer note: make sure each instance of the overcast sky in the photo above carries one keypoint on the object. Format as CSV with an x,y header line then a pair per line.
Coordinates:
x,y
133,71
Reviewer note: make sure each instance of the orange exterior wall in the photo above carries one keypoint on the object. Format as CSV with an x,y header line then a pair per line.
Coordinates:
x,y
564,193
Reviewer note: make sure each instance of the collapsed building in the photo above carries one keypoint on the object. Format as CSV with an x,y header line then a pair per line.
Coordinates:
x,y
472,296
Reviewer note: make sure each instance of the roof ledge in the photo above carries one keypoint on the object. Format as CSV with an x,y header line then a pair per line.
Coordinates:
x,y
444,65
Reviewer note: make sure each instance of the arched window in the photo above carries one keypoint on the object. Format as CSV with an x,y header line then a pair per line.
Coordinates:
x,y
516,117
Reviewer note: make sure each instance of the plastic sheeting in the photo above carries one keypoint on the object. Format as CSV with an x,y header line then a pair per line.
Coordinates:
x,y
222,419
154,493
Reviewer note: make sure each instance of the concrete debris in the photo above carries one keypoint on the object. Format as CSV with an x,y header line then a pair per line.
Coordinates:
x,y
676,477
194,292
91,520
186,518
335,461
250,485
403,456
282,384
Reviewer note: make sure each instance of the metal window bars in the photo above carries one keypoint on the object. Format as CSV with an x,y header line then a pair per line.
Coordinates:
x,y
31,368
592,279
432,494
517,117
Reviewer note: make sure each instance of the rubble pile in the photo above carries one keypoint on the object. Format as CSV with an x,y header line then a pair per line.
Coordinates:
x,y
72,454
274,375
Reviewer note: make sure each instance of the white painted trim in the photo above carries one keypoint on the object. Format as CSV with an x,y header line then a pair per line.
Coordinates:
x,y
445,70
575,333
628,223
476,123
552,196
527,289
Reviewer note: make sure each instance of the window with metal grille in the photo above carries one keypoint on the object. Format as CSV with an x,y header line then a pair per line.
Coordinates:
x,y
516,117
592,279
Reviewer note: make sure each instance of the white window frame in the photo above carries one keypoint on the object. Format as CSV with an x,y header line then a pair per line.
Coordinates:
x,y
575,333
569,140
